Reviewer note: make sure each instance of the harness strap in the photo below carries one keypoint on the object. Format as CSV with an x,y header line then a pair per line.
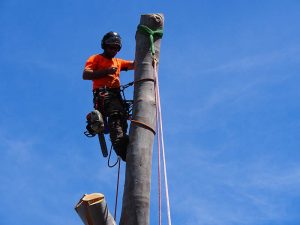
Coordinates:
x,y
139,123
145,79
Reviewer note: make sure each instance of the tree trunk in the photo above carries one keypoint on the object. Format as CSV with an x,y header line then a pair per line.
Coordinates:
x,y
136,198
93,210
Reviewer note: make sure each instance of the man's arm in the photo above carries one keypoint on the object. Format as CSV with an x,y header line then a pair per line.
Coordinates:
x,y
89,74
127,65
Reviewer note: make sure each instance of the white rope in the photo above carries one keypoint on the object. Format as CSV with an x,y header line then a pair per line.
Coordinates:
x,y
161,139
158,149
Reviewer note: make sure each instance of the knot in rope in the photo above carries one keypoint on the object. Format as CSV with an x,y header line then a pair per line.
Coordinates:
x,y
146,30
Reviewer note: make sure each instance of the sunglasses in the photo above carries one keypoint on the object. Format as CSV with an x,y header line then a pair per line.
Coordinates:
x,y
113,47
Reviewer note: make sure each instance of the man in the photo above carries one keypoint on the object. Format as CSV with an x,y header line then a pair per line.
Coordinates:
x,y
104,70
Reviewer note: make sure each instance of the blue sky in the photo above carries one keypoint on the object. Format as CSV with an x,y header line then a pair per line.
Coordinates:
x,y
229,79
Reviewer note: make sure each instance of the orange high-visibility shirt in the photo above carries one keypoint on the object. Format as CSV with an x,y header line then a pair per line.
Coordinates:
x,y
99,62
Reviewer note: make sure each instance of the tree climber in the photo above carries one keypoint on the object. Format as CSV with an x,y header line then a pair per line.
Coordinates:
x,y
104,70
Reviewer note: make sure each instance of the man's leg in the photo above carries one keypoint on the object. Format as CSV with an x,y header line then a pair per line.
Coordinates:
x,y
118,137
117,125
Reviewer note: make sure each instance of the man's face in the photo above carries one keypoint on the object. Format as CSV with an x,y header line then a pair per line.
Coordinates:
x,y
111,50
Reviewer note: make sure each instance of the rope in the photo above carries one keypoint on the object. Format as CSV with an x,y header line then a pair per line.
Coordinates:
x,y
118,180
117,191
108,161
158,162
146,30
161,139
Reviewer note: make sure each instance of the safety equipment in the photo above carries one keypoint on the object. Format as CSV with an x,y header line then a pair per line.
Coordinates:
x,y
113,120
95,123
111,38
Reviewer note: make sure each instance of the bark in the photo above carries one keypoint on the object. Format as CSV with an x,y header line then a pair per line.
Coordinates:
x,y
136,197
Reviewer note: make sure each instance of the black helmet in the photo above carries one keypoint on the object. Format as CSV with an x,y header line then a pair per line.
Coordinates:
x,y
111,38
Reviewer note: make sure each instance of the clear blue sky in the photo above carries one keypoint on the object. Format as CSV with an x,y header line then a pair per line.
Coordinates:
x,y
229,78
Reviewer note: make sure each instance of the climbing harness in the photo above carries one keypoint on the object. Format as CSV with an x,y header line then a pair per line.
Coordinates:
x,y
97,123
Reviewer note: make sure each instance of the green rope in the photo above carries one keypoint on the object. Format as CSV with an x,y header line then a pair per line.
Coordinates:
x,y
146,30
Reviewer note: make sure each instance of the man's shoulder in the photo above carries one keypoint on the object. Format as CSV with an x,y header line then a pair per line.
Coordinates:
x,y
122,60
96,59
95,56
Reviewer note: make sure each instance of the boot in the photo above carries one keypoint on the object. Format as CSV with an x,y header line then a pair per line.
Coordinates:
x,y
120,147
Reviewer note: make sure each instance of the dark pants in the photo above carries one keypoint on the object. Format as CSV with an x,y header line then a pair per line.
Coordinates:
x,y
109,102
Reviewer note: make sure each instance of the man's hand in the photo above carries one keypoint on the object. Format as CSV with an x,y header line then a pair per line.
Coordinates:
x,y
111,70
96,74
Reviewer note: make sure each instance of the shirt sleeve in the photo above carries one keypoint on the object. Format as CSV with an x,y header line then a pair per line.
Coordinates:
x,y
90,63
126,65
